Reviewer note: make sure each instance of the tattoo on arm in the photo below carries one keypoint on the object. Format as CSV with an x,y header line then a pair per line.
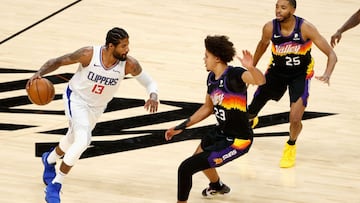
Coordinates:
x,y
137,68
75,56
71,58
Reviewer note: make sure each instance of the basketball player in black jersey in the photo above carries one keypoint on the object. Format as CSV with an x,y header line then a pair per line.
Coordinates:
x,y
291,68
226,98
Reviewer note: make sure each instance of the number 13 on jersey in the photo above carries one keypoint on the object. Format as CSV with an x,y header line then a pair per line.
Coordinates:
x,y
98,89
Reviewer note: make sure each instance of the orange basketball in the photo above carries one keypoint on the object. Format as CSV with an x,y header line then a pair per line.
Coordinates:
x,y
41,91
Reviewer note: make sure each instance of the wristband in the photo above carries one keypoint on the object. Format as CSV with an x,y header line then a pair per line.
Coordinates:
x,y
182,126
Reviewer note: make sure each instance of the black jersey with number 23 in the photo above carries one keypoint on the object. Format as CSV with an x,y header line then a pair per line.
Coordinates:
x,y
229,96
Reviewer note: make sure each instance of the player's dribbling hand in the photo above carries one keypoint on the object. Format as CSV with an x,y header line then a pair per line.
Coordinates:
x,y
34,77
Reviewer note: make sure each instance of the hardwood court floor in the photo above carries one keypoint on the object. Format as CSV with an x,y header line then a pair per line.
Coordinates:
x,y
167,38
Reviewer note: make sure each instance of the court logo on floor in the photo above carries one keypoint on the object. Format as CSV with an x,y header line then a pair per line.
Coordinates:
x,y
124,127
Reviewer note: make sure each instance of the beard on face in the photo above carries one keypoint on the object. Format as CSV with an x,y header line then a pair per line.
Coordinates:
x,y
284,18
121,57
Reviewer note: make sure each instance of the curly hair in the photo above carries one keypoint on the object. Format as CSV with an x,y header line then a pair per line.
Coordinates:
x,y
220,46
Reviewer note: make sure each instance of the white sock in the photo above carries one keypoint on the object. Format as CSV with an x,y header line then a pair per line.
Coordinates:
x,y
53,157
59,178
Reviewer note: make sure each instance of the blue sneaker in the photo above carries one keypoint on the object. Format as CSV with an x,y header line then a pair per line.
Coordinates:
x,y
52,193
49,169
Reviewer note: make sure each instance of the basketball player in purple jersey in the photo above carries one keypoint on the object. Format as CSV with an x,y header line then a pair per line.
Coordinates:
x,y
226,98
291,68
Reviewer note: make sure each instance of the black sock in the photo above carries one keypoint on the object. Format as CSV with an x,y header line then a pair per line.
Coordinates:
x,y
252,116
217,185
291,142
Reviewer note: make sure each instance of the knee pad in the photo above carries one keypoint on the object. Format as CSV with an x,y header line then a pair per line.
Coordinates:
x,y
81,141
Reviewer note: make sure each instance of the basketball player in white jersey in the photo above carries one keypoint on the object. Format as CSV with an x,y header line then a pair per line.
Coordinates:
x,y
101,69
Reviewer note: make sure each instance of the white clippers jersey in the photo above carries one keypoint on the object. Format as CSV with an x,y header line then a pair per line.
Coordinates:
x,y
95,84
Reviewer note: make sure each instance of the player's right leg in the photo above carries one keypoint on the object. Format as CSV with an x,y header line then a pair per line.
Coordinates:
x,y
273,89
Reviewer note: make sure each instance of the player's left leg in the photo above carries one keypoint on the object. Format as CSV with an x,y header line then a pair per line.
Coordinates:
x,y
289,154
230,149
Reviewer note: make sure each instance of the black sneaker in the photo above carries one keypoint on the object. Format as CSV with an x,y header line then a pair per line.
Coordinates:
x,y
211,192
